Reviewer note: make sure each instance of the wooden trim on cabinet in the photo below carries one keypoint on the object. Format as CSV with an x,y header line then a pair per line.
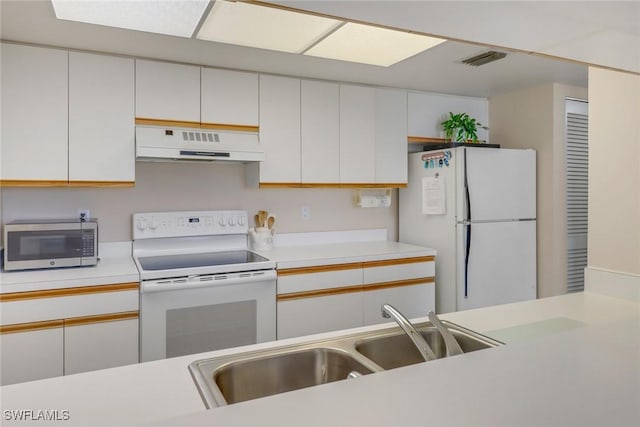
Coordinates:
x,y
320,185
167,123
32,183
101,318
365,185
65,292
424,140
398,261
279,185
199,125
31,326
398,283
331,185
318,269
319,293
224,126
68,184
101,184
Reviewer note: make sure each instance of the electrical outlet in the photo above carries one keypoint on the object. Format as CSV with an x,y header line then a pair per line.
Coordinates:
x,y
84,213
306,212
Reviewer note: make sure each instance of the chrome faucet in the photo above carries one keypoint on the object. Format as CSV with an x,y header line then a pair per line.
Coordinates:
x,y
388,311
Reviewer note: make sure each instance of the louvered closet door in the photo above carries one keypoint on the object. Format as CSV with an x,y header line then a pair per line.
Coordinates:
x,y
577,171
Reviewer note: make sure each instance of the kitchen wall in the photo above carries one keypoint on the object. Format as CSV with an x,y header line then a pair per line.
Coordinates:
x,y
614,176
535,118
186,186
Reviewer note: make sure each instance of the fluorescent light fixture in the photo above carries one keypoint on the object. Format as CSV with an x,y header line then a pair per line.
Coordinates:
x,y
371,45
171,17
263,27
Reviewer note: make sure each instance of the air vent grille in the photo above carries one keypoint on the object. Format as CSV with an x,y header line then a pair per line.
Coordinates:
x,y
484,58
200,136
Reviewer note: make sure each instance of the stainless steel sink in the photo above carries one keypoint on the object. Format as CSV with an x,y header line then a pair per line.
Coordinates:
x,y
394,350
239,377
267,375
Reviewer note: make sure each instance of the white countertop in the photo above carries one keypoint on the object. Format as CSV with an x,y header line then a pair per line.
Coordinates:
x,y
569,360
115,266
342,253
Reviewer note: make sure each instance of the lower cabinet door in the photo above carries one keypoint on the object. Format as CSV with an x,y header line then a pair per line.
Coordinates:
x,y
412,301
313,315
92,346
31,355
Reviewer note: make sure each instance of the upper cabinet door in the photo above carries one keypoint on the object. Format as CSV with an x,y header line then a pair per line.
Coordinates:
x,y
167,91
101,118
280,129
229,97
34,113
357,134
391,136
320,132
427,111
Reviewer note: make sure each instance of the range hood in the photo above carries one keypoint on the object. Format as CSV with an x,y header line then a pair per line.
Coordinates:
x,y
156,143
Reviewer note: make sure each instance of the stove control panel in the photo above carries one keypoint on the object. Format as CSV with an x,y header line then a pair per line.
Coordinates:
x,y
154,225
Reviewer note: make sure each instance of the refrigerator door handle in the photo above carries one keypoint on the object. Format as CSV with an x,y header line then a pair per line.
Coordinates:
x,y
468,225
466,261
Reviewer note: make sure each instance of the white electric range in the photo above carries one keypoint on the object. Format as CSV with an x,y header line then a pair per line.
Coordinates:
x,y
201,289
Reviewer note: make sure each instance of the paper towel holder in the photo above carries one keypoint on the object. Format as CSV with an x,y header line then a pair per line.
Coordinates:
x,y
374,198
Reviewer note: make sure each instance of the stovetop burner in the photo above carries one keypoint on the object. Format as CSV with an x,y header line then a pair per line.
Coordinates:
x,y
208,259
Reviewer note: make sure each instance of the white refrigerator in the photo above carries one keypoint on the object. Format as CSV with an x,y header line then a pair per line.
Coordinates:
x,y
477,207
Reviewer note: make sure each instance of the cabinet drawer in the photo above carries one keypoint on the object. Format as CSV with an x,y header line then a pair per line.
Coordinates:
x,y
320,314
398,269
92,346
66,303
412,301
291,283
31,355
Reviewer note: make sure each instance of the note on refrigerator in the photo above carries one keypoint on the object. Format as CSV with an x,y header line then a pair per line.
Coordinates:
x,y
433,196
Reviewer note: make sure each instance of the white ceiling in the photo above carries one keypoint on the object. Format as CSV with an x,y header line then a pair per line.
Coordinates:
x,y
437,69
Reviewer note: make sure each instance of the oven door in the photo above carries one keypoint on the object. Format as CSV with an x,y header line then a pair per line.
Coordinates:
x,y
205,313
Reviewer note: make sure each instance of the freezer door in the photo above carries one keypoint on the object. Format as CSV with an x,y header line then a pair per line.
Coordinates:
x,y
498,266
500,184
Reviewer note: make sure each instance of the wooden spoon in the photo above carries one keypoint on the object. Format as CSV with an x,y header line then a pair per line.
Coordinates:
x,y
270,221
257,220
262,218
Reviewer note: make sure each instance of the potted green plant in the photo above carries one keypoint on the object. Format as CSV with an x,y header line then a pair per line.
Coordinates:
x,y
461,128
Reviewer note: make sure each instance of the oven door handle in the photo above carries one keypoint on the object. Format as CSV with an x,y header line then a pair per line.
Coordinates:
x,y
207,281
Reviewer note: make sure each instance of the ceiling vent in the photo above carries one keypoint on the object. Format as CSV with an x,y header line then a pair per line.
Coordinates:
x,y
484,58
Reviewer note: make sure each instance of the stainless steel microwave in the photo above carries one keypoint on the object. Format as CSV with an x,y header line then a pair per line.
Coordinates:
x,y
50,244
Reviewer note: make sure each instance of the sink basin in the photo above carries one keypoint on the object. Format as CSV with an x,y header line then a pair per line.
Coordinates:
x,y
395,350
267,374
225,380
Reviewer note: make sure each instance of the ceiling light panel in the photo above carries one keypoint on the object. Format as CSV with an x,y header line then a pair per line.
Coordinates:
x,y
371,45
262,27
171,17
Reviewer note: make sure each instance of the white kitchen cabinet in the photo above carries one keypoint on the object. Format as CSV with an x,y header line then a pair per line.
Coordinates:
x,y
34,113
412,301
101,118
280,129
229,97
357,134
407,284
428,110
167,91
391,136
320,125
332,297
70,330
31,355
319,314
100,345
